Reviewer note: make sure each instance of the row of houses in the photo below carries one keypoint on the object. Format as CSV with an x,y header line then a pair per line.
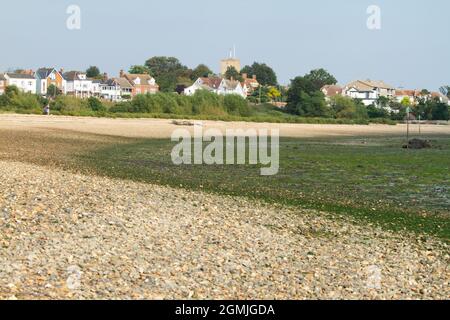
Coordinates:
x,y
78,84
224,86
125,86
369,92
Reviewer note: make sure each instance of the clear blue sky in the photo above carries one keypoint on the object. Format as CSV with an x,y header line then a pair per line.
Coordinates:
x,y
411,50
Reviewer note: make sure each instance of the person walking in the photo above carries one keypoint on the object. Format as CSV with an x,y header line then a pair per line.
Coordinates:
x,y
47,109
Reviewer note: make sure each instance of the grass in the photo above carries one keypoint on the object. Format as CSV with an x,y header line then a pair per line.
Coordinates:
x,y
372,179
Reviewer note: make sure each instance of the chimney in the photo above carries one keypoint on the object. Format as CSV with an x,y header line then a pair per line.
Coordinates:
x,y
105,76
121,74
244,75
232,78
254,77
61,70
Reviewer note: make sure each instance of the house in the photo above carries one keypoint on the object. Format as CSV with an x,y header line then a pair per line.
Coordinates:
x,y
46,77
368,91
78,85
412,95
217,85
331,90
142,83
116,89
97,88
24,81
439,96
249,85
415,96
2,83
232,87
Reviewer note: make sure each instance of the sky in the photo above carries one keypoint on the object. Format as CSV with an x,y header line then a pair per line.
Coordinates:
x,y
410,50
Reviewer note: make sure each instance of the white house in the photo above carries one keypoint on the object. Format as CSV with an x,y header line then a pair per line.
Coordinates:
x,y
116,89
368,91
2,83
217,85
25,82
78,84
96,88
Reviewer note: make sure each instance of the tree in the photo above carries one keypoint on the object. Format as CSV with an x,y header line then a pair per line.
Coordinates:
x,y
232,73
376,112
445,90
11,91
93,72
166,71
274,93
137,69
320,78
348,108
425,92
440,111
264,74
164,65
53,91
406,102
305,100
383,102
200,71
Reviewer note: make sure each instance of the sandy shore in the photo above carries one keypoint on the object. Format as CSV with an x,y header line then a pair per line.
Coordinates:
x,y
163,128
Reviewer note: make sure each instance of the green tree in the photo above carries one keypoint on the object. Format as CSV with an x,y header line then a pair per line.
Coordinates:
x,y
305,100
383,102
166,71
264,74
201,70
377,112
406,102
11,91
53,91
439,111
232,73
348,108
93,72
320,78
138,69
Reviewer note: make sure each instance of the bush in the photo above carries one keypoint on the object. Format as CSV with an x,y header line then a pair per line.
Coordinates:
x,y
236,105
25,101
95,104
69,105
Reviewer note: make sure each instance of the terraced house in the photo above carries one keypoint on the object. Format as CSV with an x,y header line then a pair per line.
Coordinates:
x,y
78,84
46,77
116,89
